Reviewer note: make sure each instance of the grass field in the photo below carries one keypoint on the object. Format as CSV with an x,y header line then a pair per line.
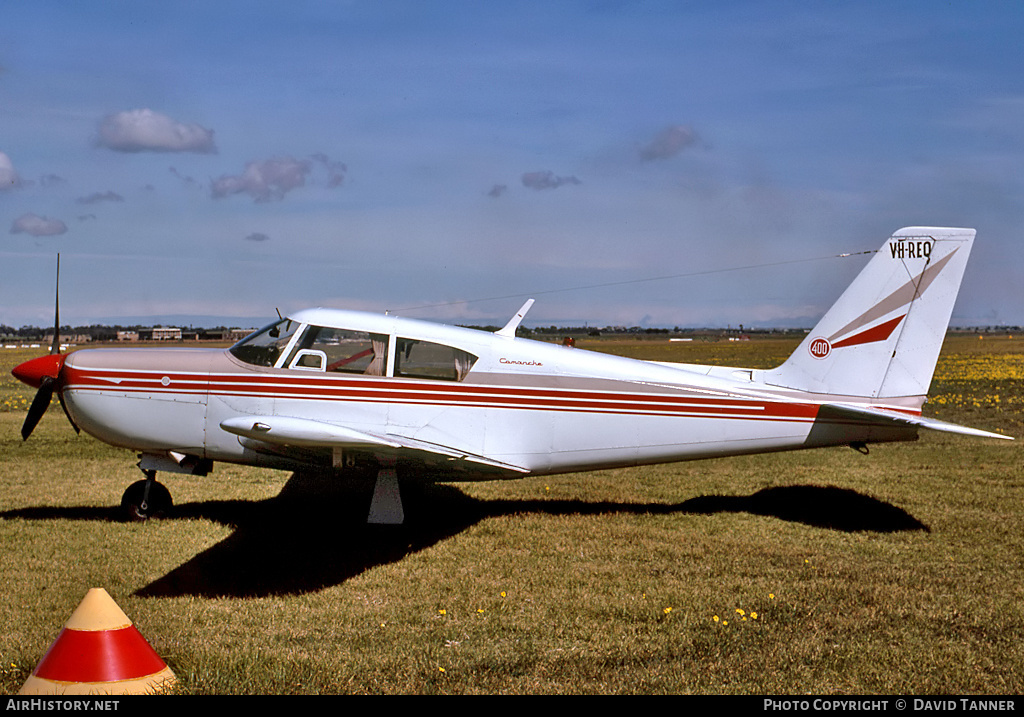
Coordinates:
x,y
822,572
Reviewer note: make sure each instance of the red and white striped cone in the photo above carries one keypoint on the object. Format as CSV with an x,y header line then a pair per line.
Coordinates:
x,y
99,651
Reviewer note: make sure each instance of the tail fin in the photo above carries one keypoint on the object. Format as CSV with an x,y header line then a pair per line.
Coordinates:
x,y
882,337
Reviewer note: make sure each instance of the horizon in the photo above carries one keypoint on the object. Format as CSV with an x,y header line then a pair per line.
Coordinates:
x,y
213,323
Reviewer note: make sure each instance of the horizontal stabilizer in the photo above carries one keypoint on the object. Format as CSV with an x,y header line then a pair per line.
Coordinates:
x,y
291,431
882,417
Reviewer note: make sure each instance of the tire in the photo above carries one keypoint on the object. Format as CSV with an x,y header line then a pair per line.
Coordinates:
x,y
158,505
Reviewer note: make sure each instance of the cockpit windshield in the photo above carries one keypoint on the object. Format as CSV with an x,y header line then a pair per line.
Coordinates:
x,y
333,350
264,347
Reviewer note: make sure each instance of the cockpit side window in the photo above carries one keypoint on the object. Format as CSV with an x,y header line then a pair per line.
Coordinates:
x,y
424,359
264,347
341,350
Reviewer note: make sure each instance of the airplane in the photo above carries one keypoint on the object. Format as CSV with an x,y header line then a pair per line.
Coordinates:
x,y
325,389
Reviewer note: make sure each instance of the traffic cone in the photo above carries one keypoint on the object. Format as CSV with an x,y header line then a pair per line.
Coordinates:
x,y
99,651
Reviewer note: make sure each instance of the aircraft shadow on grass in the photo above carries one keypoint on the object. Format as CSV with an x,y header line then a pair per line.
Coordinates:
x,y
314,533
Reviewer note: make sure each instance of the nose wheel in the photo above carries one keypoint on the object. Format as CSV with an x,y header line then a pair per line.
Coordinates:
x,y
146,499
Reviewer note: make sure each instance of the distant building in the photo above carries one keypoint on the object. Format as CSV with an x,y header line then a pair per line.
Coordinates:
x,y
160,333
221,334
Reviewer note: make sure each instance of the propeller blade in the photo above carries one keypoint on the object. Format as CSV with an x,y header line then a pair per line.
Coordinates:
x,y
44,372
39,405
55,347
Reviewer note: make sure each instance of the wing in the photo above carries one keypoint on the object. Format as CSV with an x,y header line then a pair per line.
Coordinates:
x,y
306,433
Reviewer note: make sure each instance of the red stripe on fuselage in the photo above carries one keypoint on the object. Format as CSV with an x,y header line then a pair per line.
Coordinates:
x,y
391,390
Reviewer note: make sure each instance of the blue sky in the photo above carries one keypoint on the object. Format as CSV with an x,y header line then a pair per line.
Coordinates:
x,y
449,160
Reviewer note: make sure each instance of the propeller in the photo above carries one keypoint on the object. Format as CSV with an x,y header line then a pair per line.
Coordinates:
x,y
44,374
39,405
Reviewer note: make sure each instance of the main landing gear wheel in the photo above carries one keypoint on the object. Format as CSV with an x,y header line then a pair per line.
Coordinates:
x,y
138,504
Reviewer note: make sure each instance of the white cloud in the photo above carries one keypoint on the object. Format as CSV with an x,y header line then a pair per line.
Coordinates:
x,y
52,180
335,170
546,180
668,143
37,226
144,130
264,181
8,177
98,197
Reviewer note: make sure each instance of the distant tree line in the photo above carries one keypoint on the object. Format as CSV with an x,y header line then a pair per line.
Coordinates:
x,y
98,332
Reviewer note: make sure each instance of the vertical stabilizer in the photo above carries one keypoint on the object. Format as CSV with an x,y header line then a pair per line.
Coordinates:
x,y
882,337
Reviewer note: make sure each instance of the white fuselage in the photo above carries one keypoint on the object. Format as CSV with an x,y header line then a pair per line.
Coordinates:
x,y
538,407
